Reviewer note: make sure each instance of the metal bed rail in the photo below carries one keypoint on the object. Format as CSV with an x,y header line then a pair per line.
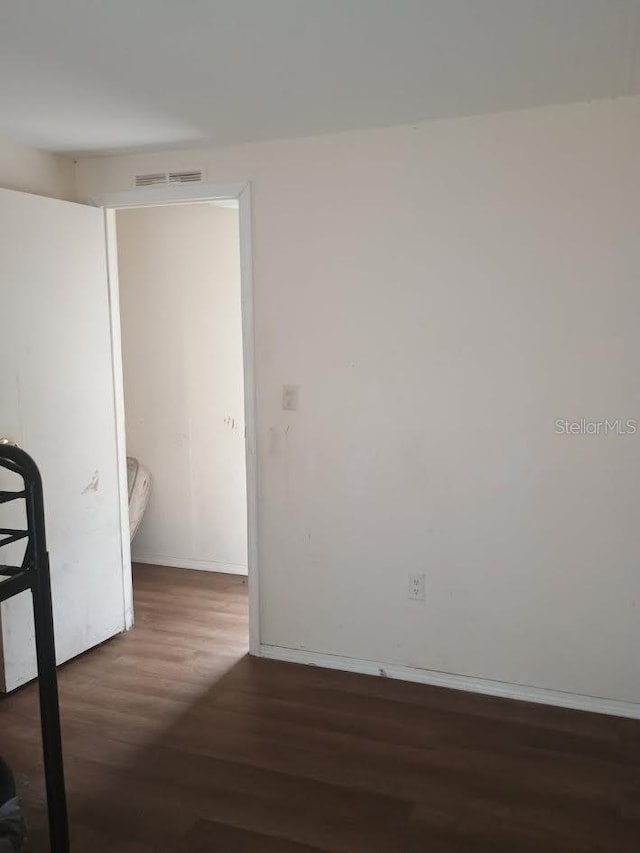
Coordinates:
x,y
34,574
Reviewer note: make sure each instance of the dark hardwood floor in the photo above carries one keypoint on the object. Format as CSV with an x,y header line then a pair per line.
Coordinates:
x,y
177,742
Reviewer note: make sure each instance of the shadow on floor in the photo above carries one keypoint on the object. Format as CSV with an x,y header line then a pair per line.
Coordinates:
x,y
176,741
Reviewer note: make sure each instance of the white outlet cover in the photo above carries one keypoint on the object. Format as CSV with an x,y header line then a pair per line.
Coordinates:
x,y
416,587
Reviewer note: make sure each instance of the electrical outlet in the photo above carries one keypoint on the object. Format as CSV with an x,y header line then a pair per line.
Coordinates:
x,y
290,397
416,587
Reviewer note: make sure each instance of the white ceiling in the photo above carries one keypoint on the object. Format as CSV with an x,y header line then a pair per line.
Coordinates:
x,y
99,76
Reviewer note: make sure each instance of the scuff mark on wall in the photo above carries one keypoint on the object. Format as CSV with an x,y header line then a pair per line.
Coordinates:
x,y
93,484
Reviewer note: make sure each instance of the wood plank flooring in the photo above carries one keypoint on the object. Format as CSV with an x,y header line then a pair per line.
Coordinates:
x,y
177,742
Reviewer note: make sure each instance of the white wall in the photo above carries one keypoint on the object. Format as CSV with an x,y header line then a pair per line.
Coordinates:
x,y
33,171
442,294
179,271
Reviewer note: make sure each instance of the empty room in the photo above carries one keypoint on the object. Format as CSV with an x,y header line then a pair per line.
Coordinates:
x,y
320,426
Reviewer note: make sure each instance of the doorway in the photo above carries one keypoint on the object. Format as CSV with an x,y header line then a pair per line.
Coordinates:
x,y
182,329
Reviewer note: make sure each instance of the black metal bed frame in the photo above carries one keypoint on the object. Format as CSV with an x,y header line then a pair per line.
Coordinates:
x,y
34,574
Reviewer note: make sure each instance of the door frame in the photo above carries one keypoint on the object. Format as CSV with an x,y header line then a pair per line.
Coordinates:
x,y
170,195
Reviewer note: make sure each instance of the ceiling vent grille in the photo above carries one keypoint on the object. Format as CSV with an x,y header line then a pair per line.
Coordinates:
x,y
155,179
185,177
151,180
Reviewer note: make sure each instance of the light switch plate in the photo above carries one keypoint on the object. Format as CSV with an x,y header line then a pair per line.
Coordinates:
x,y
290,397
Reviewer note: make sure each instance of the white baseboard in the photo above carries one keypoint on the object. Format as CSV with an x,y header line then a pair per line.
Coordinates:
x,y
540,695
185,563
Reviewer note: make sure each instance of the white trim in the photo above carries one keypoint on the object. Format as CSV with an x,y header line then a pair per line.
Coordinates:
x,y
186,563
168,194
250,418
118,399
539,695
185,194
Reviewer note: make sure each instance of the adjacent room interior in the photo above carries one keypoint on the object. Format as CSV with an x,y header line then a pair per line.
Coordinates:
x,y
181,331
350,291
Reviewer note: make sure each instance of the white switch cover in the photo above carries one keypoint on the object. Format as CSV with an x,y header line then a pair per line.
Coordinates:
x,y
290,397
